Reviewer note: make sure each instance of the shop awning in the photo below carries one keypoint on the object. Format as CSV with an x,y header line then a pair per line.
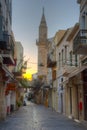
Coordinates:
x,y
11,87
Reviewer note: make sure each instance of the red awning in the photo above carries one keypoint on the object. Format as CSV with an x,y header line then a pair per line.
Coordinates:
x,y
10,87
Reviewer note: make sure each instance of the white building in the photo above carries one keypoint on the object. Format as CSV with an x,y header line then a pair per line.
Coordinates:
x,y
19,55
65,65
6,50
80,48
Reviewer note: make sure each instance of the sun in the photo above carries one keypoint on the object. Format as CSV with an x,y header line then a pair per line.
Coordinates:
x,y
27,75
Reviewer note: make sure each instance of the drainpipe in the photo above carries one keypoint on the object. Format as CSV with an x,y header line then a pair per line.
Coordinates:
x,y
70,87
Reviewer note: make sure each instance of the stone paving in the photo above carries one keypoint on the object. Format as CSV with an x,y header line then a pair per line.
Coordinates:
x,y
38,117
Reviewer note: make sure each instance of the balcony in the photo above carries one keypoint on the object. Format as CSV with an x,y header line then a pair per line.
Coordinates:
x,y
4,40
69,67
80,43
68,70
7,48
51,62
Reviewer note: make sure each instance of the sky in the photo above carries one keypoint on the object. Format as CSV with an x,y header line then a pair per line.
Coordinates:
x,y
26,17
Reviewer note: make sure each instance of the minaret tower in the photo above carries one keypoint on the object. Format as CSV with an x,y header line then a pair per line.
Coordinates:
x,y
43,28
42,47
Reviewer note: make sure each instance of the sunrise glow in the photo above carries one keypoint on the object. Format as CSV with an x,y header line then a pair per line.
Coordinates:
x,y
27,75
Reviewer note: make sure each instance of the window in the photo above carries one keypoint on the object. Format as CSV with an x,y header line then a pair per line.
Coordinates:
x,y
6,21
62,79
82,23
71,58
59,59
0,9
76,60
65,53
62,57
54,74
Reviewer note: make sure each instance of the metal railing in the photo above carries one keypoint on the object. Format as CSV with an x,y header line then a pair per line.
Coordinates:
x,y
80,39
7,44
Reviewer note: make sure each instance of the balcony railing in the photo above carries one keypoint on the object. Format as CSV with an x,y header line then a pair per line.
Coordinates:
x,y
80,42
6,42
7,48
69,65
67,70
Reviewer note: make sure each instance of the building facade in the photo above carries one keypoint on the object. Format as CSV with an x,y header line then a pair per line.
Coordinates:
x,y
80,48
6,51
19,55
51,75
58,91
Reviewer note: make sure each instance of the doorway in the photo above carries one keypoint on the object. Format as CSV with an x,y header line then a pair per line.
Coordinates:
x,y
84,74
85,106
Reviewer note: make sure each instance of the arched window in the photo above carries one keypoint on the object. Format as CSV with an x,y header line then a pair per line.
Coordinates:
x,y
71,58
59,59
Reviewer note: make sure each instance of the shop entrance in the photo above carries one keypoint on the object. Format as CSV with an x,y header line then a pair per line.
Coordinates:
x,y
85,92
85,106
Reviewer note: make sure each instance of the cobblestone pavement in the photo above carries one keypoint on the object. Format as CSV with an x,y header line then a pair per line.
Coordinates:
x,y
37,117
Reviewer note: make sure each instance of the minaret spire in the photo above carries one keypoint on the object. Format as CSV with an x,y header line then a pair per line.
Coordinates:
x,y
43,27
43,20
43,10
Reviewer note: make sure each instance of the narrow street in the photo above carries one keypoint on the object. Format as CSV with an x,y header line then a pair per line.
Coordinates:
x,y
37,117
